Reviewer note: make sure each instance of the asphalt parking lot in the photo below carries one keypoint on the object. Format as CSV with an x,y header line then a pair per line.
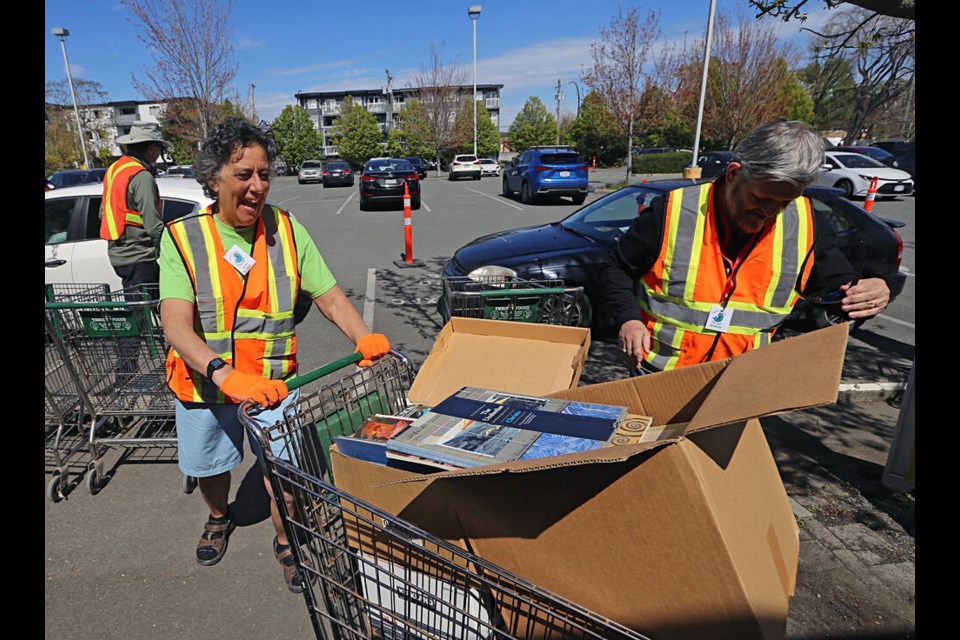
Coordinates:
x,y
120,565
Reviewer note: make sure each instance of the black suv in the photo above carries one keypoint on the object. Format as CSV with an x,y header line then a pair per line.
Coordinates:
x,y
419,164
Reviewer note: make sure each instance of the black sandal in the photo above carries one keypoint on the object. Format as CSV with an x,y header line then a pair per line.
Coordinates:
x,y
214,539
291,575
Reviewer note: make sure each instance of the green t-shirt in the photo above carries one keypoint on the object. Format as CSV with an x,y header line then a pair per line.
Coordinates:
x,y
315,278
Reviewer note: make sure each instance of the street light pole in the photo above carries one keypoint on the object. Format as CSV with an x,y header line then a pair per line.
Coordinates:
x,y
61,35
474,13
703,92
577,86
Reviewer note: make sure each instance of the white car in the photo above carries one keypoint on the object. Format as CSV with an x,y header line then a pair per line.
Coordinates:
x,y
310,171
74,251
464,166
853,172
489,167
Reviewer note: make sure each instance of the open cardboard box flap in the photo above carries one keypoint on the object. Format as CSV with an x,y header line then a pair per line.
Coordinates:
x,y
798,373
517,357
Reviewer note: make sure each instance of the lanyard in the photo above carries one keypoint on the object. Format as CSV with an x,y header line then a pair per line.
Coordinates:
x,y
732,266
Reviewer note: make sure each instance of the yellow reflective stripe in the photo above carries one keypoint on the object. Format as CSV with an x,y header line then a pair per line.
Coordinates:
x,y
777,264
694,269
289,256
134,218
207,227
673,217
674,345
180,235
804,241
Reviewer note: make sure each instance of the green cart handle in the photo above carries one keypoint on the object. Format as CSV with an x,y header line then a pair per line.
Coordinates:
x,y
505,293
298,381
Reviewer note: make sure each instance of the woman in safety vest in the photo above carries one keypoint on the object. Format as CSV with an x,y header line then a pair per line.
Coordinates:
x,y
229,280
711,270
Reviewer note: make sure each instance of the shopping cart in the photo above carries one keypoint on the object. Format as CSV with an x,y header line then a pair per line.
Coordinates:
x,y
114,347
370,574
510,298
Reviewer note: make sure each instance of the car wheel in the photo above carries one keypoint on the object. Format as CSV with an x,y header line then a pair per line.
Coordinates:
x,y
299,181
476,177
579,198
846,186
414,203
363,206
450,177
505,189
525,196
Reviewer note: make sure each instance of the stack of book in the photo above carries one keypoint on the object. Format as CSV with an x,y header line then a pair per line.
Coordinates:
x,y
475,427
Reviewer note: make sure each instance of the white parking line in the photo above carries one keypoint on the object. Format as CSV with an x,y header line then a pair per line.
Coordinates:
x,y
369,299
423,205
497,199
283,202
345,204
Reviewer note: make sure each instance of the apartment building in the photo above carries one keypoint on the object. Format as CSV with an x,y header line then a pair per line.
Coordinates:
x,y
325,106
104,123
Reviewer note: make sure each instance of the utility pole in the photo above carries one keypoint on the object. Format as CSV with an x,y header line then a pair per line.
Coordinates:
x,y
693,171
559,97
389,92
253,102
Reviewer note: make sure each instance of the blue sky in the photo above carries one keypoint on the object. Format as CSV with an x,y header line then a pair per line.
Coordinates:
x,y
286,47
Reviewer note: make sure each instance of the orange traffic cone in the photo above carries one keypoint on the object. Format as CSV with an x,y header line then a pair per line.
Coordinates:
x,y
407,258
871,194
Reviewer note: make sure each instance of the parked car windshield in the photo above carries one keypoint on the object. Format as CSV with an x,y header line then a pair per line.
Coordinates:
x,y
857,161
389,164
338,166
310,164
560,158
610,216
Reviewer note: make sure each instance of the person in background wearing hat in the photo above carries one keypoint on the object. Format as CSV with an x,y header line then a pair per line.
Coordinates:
x,y
130,218
230,276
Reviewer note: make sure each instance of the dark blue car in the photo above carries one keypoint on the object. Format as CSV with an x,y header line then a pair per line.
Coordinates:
x,y
573,249
543,173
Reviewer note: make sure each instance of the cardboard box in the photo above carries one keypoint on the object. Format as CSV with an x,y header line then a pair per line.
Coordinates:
x,y
535,359
687,537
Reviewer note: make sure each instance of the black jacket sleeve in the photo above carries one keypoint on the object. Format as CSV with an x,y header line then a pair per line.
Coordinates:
x,y
633,256
830,266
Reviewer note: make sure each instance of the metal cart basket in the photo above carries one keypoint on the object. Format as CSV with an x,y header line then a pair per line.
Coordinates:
x,y
113,345
509,298
370,574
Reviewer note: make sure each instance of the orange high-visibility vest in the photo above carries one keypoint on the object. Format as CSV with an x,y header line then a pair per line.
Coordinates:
x,y
688,280
247,321
116,212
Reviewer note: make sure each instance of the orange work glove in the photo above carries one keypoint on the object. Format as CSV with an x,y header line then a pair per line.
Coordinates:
x,y
371,347
247,386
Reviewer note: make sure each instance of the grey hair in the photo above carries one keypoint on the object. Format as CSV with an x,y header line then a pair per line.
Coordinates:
x,y
781,150
220,144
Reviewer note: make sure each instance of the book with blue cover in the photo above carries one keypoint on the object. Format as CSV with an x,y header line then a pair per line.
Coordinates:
x,y
475,427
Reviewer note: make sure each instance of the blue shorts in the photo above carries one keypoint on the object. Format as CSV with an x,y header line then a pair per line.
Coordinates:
x,y
210,436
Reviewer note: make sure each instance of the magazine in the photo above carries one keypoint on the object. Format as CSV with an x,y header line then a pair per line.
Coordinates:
x,y
475,427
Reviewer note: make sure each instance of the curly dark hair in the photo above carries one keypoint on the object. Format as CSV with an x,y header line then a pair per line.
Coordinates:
x,y
221,143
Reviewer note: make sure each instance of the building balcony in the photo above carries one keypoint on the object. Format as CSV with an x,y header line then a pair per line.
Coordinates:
x,y
330,151
378,107
492,103
330,110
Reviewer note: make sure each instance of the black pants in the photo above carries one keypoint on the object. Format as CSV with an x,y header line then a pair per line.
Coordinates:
x,y
146,276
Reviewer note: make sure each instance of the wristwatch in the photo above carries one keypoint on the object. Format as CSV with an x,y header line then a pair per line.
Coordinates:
x,y
215,365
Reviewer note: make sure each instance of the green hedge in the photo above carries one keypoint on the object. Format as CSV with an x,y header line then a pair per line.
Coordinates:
x,y
661,162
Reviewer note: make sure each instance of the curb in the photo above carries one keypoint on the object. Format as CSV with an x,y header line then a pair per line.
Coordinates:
x,y
853,392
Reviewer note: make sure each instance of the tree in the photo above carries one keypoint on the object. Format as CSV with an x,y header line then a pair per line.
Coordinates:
x,y
831,87
747,78
296,136
438,89
411,133
191,44
534,125
595,133
786,11
356,133
618,73
488,137
95,138
798,103
882,57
